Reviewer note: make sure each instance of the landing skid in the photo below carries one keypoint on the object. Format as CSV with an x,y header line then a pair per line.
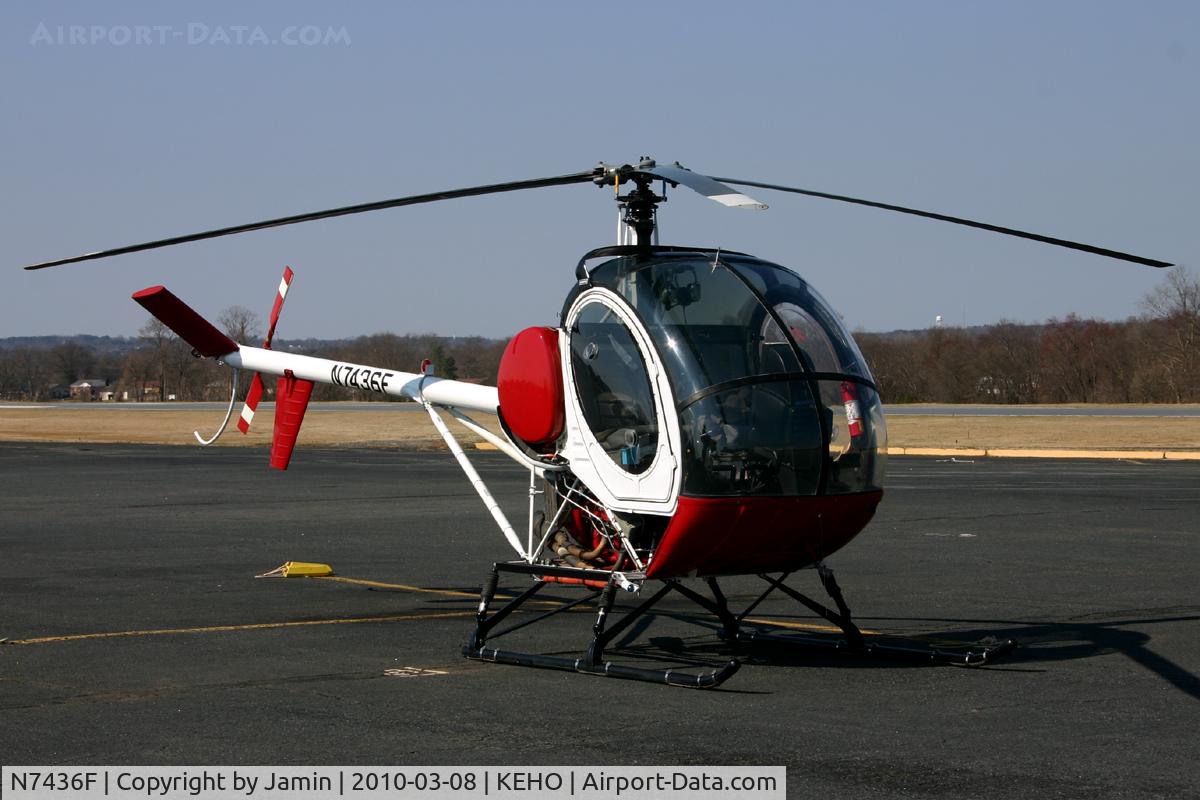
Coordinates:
x,y
603,630
853,641
603,586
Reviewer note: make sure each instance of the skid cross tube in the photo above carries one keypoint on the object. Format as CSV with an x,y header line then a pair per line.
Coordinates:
x,y
855,642
718,606
746,612
604,630
558,609
841,618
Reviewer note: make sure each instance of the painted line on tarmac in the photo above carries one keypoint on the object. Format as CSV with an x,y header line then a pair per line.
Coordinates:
x,y
254,626
355,620
1148,455
404,587
271,625
397,586
805,626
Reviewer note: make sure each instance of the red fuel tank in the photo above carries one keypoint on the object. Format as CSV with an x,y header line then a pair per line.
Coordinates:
x,y
531,388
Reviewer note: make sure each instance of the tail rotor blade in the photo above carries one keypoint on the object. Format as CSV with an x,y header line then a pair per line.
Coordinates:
x,y
251,405
280,296
256,386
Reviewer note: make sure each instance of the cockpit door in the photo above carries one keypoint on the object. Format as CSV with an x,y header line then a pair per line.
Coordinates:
x,y
622,431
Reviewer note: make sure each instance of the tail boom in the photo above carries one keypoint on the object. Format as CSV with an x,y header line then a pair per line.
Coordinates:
x,y
391,383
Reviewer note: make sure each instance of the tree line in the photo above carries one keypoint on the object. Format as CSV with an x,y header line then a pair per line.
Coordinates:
x,y
158,365
1152,358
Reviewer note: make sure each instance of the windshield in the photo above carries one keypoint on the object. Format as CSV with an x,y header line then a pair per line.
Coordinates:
x,y
773,395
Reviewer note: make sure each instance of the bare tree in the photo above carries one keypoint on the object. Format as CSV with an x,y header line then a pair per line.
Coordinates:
x,y
74,361
895,361
1075,360
949,367
241,324
139,369
1007,353
185,369
1174,310
24,374
158,337
1178,295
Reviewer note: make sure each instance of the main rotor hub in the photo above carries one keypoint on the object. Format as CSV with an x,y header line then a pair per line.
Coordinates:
x,y
639,207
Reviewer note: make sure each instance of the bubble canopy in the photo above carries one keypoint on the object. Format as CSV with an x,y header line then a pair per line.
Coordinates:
x,y
772,395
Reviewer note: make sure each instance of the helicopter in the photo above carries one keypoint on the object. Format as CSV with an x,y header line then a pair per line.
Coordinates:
x,y
696,414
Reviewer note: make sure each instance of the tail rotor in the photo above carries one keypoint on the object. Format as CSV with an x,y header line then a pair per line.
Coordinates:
x,y
254,395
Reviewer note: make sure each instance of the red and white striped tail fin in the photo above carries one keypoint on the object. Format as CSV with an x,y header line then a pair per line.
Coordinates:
x,y
256,385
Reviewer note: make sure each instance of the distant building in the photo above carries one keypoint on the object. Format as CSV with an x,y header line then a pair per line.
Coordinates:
x,y
89,389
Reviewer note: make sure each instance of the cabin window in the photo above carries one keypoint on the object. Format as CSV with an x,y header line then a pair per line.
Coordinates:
x,y
758,439
613,387
811,340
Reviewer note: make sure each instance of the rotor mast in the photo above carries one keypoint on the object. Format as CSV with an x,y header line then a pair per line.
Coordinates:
x,y
638,207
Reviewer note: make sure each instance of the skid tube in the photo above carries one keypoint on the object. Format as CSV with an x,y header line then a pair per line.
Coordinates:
x,y
592,662
603,585
853,641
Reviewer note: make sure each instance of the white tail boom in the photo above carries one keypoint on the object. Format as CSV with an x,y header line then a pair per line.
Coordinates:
x,y
299,373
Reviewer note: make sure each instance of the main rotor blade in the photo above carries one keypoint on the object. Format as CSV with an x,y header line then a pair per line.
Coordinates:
x,y
1037,237
495,188
702,184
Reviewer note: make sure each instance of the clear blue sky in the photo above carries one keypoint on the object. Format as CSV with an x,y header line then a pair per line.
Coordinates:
x,y
1074,119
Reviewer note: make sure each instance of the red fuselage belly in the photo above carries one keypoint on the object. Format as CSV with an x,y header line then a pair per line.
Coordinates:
x,y
749,535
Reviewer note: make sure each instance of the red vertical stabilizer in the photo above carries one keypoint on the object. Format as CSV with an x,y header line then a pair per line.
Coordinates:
x,y
179,317
291,401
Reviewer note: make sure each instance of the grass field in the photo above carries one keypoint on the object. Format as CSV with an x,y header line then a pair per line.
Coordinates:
x,y
327,426
1045,433
323,426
